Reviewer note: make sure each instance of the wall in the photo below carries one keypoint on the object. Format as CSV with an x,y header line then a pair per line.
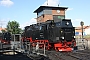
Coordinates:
x,y
46,17
87,31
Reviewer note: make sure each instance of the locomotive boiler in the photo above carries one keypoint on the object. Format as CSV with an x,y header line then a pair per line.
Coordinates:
x,y
55,34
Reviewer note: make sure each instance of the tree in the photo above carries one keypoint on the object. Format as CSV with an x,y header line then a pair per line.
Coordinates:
x,y
13,27
3,31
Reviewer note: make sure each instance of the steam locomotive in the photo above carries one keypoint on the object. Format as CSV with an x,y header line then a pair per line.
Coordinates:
x,y
54,34
5,38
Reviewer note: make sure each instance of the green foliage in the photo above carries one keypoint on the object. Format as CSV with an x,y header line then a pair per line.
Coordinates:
x,y
13,27
3,31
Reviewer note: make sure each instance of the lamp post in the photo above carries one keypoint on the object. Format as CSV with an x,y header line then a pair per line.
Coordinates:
x,y
82,23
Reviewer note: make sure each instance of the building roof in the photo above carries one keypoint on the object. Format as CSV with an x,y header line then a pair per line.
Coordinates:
x,y
79,29
52,7
2,29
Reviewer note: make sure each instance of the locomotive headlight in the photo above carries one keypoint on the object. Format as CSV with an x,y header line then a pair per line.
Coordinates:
x,y
36,38
72,49
62,37
61,31
74,36
67,23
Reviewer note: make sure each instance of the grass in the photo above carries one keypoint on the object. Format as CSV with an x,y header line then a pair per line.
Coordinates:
x,y
86,36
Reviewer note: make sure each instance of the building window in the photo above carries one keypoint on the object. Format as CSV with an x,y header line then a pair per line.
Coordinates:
x,y
58,17
61,17
47,11
40,13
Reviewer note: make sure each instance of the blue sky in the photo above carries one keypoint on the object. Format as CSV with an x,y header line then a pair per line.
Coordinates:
x,y
22,11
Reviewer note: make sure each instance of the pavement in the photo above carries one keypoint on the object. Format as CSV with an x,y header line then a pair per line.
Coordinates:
x,y
10,55
18,56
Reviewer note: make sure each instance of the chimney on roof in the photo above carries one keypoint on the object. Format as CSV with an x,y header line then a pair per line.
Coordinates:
x,y
58,4
47,2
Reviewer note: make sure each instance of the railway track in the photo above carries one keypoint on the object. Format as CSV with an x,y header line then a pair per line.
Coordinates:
x,y
53,55
84,51
82,55
78,55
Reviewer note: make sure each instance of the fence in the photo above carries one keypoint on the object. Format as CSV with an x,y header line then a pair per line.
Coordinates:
x,y
33,48
82,43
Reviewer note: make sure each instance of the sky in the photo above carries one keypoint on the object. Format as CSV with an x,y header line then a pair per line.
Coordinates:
x,y
22,11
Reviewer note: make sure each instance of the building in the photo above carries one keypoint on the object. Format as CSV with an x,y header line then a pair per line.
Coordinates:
x,y
45,13
86,30
2,29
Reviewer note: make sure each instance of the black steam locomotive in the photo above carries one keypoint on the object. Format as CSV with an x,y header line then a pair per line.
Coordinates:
x,y
56,34
5,37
